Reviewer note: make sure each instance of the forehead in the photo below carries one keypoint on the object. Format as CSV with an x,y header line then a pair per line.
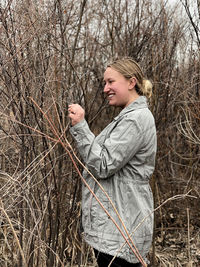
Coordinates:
x,y
112,73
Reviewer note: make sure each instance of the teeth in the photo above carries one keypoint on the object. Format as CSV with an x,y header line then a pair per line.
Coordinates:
x,y
111,95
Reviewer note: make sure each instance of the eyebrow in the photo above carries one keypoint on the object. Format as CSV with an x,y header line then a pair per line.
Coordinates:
x,y
109,78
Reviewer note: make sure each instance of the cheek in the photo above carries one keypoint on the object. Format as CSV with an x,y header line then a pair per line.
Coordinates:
x,y
123,89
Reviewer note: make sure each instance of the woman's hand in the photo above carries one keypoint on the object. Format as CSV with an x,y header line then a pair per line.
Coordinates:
x,y
76,113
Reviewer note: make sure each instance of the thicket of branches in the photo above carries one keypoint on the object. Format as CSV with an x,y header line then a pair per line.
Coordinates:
x,y
53,53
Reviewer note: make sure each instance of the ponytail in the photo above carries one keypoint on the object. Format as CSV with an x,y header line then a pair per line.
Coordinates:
x,y
147,88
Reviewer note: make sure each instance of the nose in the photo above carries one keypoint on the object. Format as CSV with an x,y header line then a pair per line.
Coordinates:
x,y
106,88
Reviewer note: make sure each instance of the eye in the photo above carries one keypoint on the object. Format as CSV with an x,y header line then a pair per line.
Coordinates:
x,y
110,81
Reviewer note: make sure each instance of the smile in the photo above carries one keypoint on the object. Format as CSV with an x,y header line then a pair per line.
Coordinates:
x,y
110,95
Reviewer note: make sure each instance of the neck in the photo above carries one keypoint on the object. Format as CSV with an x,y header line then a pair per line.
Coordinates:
x,y
132,99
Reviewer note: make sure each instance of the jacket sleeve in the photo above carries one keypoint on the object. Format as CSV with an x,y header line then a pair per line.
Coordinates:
x,y
119,147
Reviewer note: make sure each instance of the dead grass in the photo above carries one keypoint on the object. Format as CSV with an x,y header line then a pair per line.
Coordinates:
x,y
172,250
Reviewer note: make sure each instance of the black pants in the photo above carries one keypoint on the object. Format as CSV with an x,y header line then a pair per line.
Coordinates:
x,y
103,260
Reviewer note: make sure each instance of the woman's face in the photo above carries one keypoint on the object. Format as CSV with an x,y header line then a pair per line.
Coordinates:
x,y
119,90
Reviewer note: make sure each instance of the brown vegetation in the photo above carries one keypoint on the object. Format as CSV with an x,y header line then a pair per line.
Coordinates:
x,y
55,52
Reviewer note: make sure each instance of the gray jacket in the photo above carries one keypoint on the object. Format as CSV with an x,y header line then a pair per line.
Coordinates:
x,y
122,158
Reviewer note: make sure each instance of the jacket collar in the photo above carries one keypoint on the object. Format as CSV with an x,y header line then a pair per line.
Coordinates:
x,y
139,103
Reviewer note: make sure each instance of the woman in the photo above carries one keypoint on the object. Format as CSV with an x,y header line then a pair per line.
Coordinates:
x,y
122,159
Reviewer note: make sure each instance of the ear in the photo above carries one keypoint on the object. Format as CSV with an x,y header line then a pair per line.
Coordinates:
x,y
132,83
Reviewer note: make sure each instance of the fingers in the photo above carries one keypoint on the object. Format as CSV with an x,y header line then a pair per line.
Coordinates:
x,y
71,109
76,113
74,108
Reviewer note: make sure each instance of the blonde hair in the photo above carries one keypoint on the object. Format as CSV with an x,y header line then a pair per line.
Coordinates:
x,y
129,68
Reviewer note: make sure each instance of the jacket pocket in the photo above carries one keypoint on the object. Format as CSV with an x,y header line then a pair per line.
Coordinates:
x,y
98,214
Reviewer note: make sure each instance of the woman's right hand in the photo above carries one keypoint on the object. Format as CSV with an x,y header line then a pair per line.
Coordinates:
x,y
76,113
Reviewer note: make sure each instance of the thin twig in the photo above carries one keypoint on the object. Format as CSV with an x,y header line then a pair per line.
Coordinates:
x,y
14,233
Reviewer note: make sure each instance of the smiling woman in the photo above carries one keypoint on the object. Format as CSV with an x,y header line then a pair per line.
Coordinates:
x,y
122,159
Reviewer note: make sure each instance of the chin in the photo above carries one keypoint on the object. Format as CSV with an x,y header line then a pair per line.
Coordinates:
x,y
116,105
113,104
110,103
